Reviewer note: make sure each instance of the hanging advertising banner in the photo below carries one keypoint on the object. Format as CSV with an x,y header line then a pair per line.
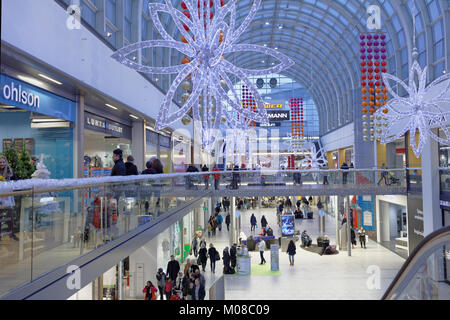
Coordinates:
x,y
415,221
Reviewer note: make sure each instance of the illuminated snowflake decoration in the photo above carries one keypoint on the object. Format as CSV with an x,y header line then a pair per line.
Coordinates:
x,y
424,108
314,159
209,32
296,144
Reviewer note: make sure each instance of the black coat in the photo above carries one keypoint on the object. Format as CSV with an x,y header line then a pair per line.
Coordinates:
x,y
212,253
263,222
233,256
226,258
131,169
173,267
119,169
291,249
201,293
149,171
227,219
203,255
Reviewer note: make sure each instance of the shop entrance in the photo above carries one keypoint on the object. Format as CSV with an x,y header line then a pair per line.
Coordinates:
x,y
393,227
98,151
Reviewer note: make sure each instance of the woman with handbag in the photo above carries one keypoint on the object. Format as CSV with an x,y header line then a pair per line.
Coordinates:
x,y
7,204
203,256
213,257
150,291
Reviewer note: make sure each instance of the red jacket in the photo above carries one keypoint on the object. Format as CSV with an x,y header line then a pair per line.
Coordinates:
x,y
168,286
216,175
154,290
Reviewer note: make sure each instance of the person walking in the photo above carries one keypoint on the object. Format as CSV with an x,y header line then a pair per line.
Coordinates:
x,y
206,176
173,267
150,291
203,256
228,221
353,237
216,177
344,173
362,237
383,175
253,222
194,245
119,167
263,222
213,223
219,220
161,277
262,247
233,255
130,167
325,175
168,288
291,252
213,255
198,291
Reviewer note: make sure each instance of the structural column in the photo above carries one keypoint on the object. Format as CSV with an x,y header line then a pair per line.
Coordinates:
x,y
120,280
432,219
232,221
138,143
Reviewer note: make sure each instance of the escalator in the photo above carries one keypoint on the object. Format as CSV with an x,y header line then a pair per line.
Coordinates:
x,y
426,273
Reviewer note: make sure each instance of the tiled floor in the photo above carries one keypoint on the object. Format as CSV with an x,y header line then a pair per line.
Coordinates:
x,y
313,276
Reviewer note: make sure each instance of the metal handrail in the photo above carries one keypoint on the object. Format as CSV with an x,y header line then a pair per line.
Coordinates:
x,y
428,244
23,187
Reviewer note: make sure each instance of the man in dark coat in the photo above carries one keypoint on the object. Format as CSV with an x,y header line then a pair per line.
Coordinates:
x,y
173,267
119,166
227,221
226,260
233,255
130,167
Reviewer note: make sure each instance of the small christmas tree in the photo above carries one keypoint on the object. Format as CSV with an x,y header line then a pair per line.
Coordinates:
x,y
12,158
24,168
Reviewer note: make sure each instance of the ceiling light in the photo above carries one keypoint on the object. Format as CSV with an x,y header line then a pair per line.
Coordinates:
x,y
280,27
263,61
156,79
276,48
47,120
109,34
31,80
267,23
265,44
112,107
48,78
8,107
133,116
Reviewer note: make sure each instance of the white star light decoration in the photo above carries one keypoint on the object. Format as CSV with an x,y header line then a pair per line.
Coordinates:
x,y
296,144
315,159
424,108
209,33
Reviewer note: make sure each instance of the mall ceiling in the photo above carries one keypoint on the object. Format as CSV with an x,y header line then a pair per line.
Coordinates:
x,y
322,36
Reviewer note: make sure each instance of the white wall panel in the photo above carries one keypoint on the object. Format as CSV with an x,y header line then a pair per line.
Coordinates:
x,y
340,138
41,31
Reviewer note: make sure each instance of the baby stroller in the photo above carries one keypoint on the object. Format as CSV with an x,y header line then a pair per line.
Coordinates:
x,y
190,182
392,180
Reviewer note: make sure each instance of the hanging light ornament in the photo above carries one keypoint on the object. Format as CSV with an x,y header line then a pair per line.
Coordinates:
x,y
424,108
373,64
186,120
214,34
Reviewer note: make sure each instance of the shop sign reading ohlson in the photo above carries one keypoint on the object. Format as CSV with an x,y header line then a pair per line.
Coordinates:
x,y
25,96
104,125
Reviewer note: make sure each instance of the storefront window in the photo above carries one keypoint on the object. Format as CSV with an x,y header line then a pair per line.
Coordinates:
x,y
444,150
42,126
101,138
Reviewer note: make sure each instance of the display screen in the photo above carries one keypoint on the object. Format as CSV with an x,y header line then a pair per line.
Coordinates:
x,y
287,225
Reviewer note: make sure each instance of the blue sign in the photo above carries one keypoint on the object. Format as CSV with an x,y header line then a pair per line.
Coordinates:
x,y
23,95
367,213
287,225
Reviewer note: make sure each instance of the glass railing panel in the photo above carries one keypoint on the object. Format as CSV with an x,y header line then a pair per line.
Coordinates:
x,y
56,220
431,280
15,240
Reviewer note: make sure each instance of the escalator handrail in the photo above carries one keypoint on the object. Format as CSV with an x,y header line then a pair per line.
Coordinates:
x,y
416,254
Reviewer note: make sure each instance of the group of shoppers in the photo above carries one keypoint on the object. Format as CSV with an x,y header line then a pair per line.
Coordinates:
x,y
121,168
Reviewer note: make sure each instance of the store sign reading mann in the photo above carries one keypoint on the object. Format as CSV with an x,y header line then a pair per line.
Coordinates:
x,y
278,115
14,93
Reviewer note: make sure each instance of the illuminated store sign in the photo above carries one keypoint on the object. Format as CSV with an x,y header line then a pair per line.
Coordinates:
x,y
15,93
278,115
104,125
274,106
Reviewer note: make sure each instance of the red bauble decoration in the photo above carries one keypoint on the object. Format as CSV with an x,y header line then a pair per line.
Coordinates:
x,y
377,70
377,76
370,70
384,63
377,63
187,14
364,77
363,63
370,83
370,63
186,27
384,70
183,5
